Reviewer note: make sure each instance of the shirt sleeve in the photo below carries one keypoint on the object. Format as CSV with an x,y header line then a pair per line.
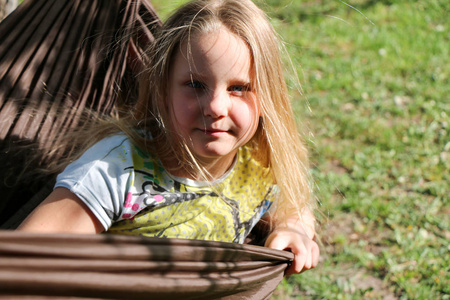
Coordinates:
x,y
100,177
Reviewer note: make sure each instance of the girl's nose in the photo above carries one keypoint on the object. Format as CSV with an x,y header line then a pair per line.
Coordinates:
x,y
217,104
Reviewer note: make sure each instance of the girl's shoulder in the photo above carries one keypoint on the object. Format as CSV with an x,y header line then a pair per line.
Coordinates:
x,y
108,154
115,147
106,145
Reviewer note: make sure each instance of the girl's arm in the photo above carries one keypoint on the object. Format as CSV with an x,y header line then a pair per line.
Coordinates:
x,y
62,212
297,234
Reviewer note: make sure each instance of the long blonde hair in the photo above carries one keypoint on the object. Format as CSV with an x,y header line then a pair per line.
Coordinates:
x,y
277,143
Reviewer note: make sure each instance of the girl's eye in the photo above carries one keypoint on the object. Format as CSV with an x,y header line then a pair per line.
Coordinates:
x,y
239,88
196,84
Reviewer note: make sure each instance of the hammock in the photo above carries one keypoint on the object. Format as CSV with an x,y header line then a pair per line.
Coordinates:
x,y
123,267
57,58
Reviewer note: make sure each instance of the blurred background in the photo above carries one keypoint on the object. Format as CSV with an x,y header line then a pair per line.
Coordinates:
x,y
370,88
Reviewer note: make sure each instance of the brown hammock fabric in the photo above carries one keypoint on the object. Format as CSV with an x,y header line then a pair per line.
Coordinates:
x,y
57,59
120,267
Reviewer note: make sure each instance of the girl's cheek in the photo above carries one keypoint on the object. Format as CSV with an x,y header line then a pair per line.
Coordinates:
x,y
253,99
190,108
256,110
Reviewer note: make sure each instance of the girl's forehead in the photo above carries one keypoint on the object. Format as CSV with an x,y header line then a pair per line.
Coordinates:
x,y
216,44
219,48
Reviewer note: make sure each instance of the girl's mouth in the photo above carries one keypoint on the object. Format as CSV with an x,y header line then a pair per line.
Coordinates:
x,y
214,132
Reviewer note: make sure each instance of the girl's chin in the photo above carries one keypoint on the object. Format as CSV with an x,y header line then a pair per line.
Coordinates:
x,y
214,154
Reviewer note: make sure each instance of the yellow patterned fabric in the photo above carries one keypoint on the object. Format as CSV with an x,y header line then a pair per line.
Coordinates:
x,y
225,211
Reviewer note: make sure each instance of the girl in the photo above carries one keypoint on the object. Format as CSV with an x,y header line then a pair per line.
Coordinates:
x,y
210,149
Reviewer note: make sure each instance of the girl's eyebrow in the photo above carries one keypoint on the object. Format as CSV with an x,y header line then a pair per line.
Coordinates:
x,y
203,78
191,74
197,75
245,80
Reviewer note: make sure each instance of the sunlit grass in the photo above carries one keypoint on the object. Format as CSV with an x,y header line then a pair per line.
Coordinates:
x,y
376,81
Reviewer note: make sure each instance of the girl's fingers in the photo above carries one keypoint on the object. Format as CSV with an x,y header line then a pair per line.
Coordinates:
x,y
277,241
307,258
313,256
306,251
308,262
275,244
300,262
303,260
315,253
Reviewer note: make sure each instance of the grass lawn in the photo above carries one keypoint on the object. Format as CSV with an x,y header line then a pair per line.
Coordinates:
x,y
375,108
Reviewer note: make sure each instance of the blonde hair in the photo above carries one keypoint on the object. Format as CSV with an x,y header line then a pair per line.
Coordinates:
x,y
276,144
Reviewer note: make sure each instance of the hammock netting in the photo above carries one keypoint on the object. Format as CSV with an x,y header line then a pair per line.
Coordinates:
x,y
59,58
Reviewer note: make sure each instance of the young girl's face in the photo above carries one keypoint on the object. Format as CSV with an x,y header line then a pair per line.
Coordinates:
x,y
214,107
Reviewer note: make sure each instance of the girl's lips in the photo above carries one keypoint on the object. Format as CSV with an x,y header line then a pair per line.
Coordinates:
x,y
214,131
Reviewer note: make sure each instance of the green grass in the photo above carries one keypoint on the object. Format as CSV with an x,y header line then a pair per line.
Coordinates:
x,y
375,80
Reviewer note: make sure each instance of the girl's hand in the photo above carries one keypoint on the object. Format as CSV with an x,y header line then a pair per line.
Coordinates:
x,y
297,241
296,234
